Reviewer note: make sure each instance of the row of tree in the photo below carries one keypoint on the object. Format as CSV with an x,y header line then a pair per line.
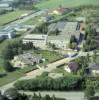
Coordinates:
x,y
47,83
90,43
13,94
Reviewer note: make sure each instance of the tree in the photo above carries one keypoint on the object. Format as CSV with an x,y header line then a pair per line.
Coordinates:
x,y
89,92
12,94
53,98
73,39
94,57
7,66
47,97
72,45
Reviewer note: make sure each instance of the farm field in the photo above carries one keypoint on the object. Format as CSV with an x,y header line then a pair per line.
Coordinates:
x,y
66,3
5,18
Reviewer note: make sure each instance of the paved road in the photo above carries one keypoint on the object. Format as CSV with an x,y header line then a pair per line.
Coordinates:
x,y
28,17
66,95
38,72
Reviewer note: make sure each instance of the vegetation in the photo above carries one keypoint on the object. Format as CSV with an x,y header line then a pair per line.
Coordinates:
x,y
11,16
73,42
90,43
14,47
42,28
83,63
89,92
66,3
47,83
13,94
6,65
8,77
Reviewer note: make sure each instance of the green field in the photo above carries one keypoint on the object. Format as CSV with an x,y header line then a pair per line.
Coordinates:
x,y
5,18
33,21
13,76
66,3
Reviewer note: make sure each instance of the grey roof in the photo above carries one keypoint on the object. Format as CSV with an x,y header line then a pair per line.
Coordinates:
x,y
59,25
94,66
29,58
67,29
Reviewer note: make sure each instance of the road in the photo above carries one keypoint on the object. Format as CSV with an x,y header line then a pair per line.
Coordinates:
x,y
67,95
58,94
19,21
37,72
49,68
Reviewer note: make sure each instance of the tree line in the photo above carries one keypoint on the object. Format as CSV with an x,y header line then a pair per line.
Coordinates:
x,y
46,83
13,94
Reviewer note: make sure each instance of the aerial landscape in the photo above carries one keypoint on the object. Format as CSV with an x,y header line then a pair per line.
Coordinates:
x,y
49,49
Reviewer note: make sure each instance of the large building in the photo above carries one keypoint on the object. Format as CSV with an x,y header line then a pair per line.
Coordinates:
x,y
7,34
38,40
5,6
66,30
61,40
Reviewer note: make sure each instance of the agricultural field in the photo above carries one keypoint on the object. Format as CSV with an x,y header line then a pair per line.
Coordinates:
x,y
6,18
66,3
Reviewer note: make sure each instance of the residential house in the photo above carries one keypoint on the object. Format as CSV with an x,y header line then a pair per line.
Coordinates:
x,y
27,59
58,11
94,68
72,67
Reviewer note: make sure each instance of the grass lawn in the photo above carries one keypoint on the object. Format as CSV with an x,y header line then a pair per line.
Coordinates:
x,y
5,18
66,3
61,70
49,55
33,21
13,76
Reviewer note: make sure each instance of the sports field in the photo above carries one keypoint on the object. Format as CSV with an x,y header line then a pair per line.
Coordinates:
x,y
66,3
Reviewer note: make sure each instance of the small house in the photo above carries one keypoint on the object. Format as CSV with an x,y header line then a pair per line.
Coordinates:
x,y
72,67
27,59
94,68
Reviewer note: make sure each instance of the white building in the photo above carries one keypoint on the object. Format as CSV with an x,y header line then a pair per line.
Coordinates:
x,y
38,40
7,34
5,6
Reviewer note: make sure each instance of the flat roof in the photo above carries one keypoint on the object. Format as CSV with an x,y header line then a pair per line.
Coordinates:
x,y
69,28
35,36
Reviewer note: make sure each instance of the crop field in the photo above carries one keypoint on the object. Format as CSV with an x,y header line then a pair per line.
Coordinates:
x,y
5,18
66,3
